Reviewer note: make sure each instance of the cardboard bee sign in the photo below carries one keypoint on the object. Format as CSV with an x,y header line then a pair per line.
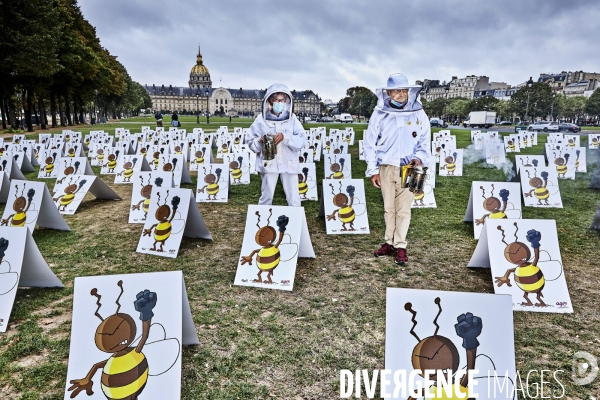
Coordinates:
x,y
274,238
563,161
525,259
239,168
4,188
490,201
128,166
426,197
344,207
172,214
451,163
307,182
529,161
337,166
462,337
361,150
540,187
176,165
142,191
511,144
213,183
127,336
494,152
21,264
593,141
438,148
9,167
69,168
200,154
29,203
73,190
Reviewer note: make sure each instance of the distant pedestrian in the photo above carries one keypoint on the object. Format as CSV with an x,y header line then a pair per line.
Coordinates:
x,y
159,118
230,119
175,119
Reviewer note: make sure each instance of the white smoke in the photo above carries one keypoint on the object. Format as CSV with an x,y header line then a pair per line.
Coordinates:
x,y
596,221
593,157
473,154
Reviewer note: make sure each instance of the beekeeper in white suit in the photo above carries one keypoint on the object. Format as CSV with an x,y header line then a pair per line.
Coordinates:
x,y
277,119
398,134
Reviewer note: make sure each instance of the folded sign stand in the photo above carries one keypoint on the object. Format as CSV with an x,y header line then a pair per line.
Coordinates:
x,y
29,203
492,200
21,264
274,238
172,214
127,336
72,195
344,206
525,259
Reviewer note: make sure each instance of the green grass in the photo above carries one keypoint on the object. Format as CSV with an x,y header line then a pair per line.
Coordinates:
x,y
259,344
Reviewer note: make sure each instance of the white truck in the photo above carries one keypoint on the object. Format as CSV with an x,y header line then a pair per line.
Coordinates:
x,y
344,118
480,119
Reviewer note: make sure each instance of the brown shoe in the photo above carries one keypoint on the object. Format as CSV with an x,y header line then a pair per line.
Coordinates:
x,y
385,250
401,257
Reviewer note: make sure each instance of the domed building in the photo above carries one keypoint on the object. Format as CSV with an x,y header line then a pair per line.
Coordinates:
x,y
199,75
200,96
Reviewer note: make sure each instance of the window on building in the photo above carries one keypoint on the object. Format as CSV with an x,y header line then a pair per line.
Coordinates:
x,y
225,101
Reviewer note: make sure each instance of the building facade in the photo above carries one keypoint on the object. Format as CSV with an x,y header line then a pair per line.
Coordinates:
x,y
200,96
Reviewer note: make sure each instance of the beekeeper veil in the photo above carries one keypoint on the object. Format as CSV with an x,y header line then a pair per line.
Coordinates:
x,y
277,103
398,82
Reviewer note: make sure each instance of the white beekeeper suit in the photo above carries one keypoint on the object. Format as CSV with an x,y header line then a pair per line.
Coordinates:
x,y
398,133
286,162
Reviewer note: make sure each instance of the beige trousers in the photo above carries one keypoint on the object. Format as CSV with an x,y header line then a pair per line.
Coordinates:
x,y
397,203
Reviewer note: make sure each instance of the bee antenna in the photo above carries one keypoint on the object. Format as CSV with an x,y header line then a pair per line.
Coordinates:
x,y
258,222
437,327
503,236
142,179
94,292
270,214
332,189
167,198
204,168
340,186
119,284
516,226
158,194
408,307
492,190
483,195
535,172
23,191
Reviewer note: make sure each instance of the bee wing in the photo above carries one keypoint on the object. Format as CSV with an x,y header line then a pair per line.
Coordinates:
x,y
552,188
288,251
359,208
161,353
177,225
552,269
31,216
513,214
8,280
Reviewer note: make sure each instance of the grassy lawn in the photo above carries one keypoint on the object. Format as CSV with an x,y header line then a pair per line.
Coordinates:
x,y
259,344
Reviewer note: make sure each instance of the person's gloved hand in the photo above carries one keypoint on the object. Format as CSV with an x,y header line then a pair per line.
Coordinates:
x,y
144,303
469,328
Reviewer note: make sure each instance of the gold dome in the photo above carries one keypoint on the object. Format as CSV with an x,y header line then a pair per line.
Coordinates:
x,y
199,68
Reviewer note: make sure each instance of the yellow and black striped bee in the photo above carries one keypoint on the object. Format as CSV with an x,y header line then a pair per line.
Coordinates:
x,y
540,187
577,164
112,161
493,204
20,207
236,170
268,256
450,165
527,274
212,183
69,170
49,167
70,192
156,159
302,185
199,157
100,156
511,146
346,213
561,164
127,172
125,374
146,193
162,230
337,169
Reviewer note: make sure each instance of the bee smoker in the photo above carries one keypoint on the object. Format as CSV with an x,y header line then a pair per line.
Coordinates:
x,y
269,148
413,177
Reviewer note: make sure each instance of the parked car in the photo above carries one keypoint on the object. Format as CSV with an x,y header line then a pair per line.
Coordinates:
x,y
326,119
521,126
438,123
343,118
543,126
568,127
504,123
480,119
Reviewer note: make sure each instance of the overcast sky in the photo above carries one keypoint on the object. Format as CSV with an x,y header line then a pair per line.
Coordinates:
x,y
329,46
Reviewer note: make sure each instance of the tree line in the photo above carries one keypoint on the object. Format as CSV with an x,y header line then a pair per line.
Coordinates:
x,y
52,61
360,100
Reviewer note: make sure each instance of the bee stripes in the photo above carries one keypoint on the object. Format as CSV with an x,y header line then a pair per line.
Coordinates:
x,y
529,278
125,376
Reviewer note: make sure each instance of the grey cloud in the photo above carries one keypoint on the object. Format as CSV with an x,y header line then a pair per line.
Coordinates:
x,y
329,46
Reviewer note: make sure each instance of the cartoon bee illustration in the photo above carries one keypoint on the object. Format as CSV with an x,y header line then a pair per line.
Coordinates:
x,y
268,256
144,150
8,279
493,204
206,140
162,230
199,157
523,163
49,167
67,138
510,146
156,158
20,207
450,165
527,274
146,192
70,191
595,143
237,140
99,156
345,212
303,182
127,172
525,142
328,145
561,164
36,152
112,162
338,150
70,169
577,164
314,150
212,183
437,354
540,190
303,158
348,138
571,142
495,156
2,150
236,170
71,152
126,372
438,151
337,169
179,149
225,148
170,166
419,195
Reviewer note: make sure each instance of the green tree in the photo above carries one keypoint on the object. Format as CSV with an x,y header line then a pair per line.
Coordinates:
x,y
359,100
540,101
593,104
575,108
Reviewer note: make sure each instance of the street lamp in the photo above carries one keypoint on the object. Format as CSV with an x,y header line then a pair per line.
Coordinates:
x,y
552,108
534,109
207,109
446,89
198,107
529,85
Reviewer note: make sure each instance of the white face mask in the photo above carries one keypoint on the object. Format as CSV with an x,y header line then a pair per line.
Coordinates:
x,y
278,107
